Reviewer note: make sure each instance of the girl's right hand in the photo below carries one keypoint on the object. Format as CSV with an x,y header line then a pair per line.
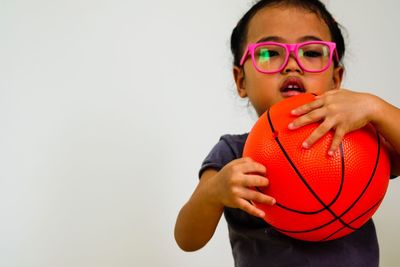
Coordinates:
x,y
231,186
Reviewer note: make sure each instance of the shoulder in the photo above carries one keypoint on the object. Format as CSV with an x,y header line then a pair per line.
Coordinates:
x,y
228,148
235,142
234,138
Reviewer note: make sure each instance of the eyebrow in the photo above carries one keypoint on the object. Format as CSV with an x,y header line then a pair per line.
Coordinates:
x,y
281,40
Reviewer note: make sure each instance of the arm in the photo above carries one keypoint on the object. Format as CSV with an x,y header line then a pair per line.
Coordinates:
x,y
346,111
199,217
386,119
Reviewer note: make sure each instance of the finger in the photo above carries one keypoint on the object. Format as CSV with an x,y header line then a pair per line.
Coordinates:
x,y
313,116
307,107
259,197
254,180
249,208
318,133
248,165
337,139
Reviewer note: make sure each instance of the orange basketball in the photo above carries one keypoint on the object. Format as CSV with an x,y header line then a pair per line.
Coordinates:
x,y
318,197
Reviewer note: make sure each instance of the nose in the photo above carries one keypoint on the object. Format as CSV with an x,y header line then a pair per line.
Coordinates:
x,y
292,65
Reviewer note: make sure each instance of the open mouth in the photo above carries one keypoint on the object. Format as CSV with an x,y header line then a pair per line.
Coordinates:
x,y
292,86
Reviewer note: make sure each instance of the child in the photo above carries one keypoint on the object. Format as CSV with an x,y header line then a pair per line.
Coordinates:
x,y
267,70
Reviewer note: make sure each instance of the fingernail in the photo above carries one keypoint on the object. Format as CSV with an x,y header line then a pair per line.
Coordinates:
x,y
261,214
330,153
305,145
291,126
293,112
273,201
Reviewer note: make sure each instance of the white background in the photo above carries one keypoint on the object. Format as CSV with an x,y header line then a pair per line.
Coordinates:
x,y
107,109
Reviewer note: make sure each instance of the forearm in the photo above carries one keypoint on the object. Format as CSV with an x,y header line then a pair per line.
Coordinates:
x,y
386,118
198,218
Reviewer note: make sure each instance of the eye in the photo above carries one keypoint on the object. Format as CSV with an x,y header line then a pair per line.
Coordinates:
x,y
266,54
312,53
273,53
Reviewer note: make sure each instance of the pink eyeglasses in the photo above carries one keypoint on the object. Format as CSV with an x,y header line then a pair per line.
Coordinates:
x,y
272,57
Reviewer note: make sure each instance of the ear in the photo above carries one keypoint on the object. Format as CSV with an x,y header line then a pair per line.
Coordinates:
x,y
238,75
337,77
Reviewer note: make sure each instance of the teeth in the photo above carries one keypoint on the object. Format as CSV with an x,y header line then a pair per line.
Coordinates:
x,y
291,86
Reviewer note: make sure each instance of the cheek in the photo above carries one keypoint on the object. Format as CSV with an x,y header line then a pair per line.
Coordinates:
x,y
322,83
259,80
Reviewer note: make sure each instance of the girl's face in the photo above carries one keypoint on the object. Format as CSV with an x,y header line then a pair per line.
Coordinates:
x,y
284,25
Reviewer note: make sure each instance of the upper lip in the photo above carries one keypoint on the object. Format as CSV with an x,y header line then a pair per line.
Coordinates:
x,y
293,83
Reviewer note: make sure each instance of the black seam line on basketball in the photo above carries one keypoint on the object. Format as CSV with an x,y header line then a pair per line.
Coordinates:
x,y
340,187
333,200
307,230
372,175
310,189
305,183
337,194
270,121
378,153
321,226
357,218
312,229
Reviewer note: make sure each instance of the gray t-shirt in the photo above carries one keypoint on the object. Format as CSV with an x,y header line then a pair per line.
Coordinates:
x,y
255,243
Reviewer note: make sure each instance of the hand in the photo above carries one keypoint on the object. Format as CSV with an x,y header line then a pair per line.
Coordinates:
x,y
231,185
340,110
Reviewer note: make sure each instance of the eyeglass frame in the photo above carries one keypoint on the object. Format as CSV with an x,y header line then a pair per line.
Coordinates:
x,y
289,48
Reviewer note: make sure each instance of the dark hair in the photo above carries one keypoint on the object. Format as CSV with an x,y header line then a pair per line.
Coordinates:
x,y
239,33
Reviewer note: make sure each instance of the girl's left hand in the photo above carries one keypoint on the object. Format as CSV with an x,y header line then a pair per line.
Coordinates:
x,y
340,110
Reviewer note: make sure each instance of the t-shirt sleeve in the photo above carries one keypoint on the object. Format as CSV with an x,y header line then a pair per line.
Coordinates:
x,y
228,148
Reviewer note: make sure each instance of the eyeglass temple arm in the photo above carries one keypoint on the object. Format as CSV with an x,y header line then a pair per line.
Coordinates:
x,y
245,55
